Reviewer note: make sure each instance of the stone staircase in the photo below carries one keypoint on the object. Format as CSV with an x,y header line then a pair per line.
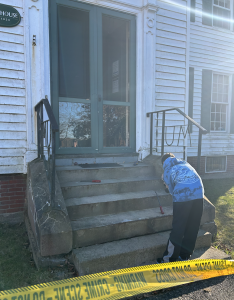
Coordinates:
x,y
117,223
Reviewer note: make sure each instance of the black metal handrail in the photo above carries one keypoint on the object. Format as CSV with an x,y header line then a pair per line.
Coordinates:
x,y
201,130
46,130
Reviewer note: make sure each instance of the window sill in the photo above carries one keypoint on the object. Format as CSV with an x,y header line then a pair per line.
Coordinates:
x,y
231,31
219,132
219,29
214,172
222,29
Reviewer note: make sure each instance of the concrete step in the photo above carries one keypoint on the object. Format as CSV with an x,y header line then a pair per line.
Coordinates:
x,y
106,228
127,253
115,203
69,160
109,186
210,253
77,173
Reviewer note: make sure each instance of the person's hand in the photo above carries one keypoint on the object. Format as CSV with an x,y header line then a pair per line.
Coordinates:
x,y
162,176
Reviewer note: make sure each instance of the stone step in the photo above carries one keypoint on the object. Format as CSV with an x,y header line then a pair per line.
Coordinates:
x,y
106,228
115,203
77,173
127,253
109,186
69,160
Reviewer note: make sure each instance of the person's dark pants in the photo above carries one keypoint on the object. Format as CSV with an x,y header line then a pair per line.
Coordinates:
x,y
185,225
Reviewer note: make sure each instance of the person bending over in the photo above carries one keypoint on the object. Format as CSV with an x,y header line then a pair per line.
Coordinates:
x,y
186,188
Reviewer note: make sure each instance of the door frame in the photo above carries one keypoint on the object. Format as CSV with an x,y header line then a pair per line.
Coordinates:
x,y
95,67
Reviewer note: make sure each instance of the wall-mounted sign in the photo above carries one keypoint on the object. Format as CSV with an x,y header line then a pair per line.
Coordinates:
x,y
9,16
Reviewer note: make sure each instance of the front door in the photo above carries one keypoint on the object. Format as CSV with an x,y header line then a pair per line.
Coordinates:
x,y
92,78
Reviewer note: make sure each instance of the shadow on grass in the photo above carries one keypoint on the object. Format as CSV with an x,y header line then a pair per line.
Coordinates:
x,y
17,268
215,188
221,193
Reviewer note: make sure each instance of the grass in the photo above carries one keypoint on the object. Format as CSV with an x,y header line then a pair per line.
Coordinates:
x,y
17,268
221,193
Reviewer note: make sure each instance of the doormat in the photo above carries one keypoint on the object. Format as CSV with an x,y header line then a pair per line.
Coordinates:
x,y
86,166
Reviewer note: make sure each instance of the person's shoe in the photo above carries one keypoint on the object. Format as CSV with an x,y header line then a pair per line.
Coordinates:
x,y
160,261
183,258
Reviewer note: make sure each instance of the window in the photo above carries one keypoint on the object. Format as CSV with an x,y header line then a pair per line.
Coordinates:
x,y
216,164
221,13
219,102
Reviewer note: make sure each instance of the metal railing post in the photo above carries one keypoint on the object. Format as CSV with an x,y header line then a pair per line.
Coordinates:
x,y
151,134
163,128
38,133
53,170
42,131
157,134
202,131
199,151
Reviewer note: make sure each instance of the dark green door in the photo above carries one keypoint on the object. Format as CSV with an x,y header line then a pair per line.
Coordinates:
x,y
92,78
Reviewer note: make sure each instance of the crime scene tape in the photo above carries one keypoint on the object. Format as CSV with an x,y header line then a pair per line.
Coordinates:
x,y
123,283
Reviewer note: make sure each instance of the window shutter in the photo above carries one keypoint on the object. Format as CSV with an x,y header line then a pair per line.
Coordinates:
x,y
206,99
192,11
232,108
190,104
207,12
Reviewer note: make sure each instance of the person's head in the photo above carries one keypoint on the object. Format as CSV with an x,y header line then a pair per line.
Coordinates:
x,y
165,156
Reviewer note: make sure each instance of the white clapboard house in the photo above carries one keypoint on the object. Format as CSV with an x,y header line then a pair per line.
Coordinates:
x,y
102,66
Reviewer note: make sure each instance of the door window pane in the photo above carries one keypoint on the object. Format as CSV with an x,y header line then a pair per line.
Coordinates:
x,y
115,46
73,31
116,126
74,125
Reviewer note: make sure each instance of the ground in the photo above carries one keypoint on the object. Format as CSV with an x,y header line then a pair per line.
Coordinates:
x,y
221,193
17,268
219,288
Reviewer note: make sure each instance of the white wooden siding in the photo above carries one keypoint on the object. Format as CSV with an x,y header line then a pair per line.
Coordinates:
x,y
12,95
171,41
171,56
210,48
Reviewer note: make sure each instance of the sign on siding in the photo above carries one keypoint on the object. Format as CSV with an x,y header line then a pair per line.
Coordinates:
x,y
9,16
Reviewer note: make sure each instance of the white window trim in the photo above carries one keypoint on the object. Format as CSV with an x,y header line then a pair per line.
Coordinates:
x,y
216,171
228,104
231,16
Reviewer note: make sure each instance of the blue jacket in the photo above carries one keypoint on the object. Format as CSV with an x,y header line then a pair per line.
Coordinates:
x,y
183,182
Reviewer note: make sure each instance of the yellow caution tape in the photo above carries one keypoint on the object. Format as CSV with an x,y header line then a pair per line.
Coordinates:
x,y
123,283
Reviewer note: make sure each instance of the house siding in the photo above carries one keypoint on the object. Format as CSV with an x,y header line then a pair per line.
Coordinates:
x,y
171,65
171,38
12,95
211,48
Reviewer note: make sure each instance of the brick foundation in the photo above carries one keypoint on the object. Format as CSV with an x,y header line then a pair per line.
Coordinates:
x,y
230,163
192,160
12,193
